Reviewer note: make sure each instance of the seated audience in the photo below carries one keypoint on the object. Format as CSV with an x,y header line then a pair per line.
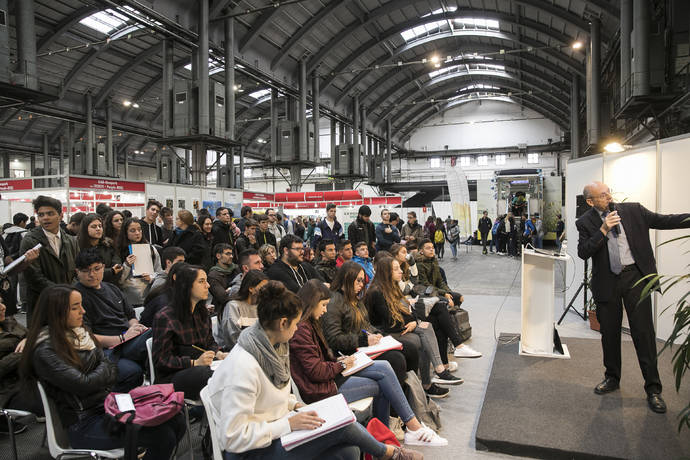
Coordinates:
x,y
247,240
268,255
113,224
386,233
263,235
188,236
91,235
183,345
156,297
346,323
362,258
74,223
240,311
326,261
166,217
252,408
68,361
390,312
248,260
112,321
318,374
220,276
408,265
291,269
206,225
135,287
345,252
55,262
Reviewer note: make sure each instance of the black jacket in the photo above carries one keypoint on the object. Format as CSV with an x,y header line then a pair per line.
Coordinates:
x,y
242,244
327,269
222,233
484,225
193,243
280,271
362,231
266,238
636,221
152,232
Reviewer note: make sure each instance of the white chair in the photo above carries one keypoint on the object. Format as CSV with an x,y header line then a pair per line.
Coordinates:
x,y
58,442
152,368
213,429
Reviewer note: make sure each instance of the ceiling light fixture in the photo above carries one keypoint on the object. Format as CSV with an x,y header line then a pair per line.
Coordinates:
x,y
577,45
615,147
126,103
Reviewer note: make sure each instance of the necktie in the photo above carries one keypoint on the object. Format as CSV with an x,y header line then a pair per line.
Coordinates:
x,y
614,254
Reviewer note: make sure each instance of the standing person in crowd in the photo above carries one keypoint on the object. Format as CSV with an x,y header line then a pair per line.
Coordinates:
x,y
440,238
291,269
14,234
181,330
248,260
362,229
484,228
113,225
503,232
412,231
386,233
527,230
328,229
55,262
326,261
206,225
268,255
309,232
289,225
429,228
157,296
252,408
168,223
152,232
246,213
135,287
300,230
274,227
188,236
32,223
221,274
112,321
493,244
395,221
560,231
345,252
103,210
240,311
263,235
12,237
454,237
74,223
91,235
318,374
247,240
68,361
362,258
538,238
511,228
224,229
127,213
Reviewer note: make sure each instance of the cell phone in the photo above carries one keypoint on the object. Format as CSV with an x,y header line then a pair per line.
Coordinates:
x,y
124,402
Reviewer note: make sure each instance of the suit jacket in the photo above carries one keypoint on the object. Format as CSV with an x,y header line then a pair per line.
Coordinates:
x,y
636,221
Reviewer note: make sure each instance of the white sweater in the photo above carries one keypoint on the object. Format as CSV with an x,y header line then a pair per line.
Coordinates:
x,y
248,409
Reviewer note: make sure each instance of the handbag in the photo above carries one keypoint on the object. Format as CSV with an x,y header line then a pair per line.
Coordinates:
x,y
381,433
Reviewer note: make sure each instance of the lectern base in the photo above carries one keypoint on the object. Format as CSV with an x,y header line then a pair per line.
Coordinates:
x,y
565,355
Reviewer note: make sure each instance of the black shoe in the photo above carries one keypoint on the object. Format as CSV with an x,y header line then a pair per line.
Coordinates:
x,y
446,378
606,386
656,403
436,392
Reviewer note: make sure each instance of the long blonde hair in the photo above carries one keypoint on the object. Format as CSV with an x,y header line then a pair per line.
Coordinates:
x,y
383,283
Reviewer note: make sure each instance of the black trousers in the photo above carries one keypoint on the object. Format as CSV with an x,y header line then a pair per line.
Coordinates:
x,y
190,381
485,236
610,316
440,319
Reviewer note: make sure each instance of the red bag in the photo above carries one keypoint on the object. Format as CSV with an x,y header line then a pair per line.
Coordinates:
x,y
381,433
153,405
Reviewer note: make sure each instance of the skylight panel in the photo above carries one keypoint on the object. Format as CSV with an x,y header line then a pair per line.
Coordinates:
x,y
477,23
104,21
260,94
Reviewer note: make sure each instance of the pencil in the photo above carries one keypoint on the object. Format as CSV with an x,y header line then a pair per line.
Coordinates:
x,y
199,348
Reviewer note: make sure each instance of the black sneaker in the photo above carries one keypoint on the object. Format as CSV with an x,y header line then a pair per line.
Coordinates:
x,y
446,378
436,392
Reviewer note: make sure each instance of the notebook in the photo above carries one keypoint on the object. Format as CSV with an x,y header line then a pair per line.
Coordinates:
x,y
387,343
333,410
362,360
131,338
143,264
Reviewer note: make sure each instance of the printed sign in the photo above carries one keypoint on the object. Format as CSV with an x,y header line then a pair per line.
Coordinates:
x,y
107,184
20,184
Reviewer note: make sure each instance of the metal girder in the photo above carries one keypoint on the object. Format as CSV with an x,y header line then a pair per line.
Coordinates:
x,y
27,130
219,6
501,17
67,23
256,29
608,8
150,84
305,29
57,132
79,67
115,79
561,13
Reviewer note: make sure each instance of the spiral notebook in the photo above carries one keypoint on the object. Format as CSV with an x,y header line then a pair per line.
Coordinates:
x,y
333,410
362,360
387,343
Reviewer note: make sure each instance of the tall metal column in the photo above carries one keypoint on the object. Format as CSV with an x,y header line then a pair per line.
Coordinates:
x,y
626,29
640,47
204,115
32,164
273,137
167,85
229,30
593,83
126,166
389,151
316,114
219,180
333,140
46,157
88,154
109,154
5,164
61,154
575,117
303,137
355,126
70,146
341,133
365,146
242,167
26,42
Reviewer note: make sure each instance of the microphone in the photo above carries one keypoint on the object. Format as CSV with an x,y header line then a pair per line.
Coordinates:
x,y
611,209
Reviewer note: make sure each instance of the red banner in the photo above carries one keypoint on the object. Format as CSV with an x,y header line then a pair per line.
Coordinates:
x,y
257,196
106,184
7,185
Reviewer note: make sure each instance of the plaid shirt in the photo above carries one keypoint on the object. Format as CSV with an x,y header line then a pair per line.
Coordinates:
x,y
172,340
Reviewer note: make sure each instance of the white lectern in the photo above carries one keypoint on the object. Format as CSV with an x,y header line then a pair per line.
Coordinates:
x,y
538,305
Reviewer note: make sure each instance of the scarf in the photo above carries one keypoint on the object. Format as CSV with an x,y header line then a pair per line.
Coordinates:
x,y
225,271
78,337
274,361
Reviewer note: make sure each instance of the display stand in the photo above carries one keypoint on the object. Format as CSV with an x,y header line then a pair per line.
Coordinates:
x,y
538,278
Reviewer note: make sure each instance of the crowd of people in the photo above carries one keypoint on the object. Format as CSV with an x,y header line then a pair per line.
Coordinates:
x,y
292,299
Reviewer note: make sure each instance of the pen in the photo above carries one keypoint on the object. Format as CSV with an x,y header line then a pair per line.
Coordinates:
x,y
366,332
199,348
341,354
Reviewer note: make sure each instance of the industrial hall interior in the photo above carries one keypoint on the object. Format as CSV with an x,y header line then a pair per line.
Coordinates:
x,y
344,229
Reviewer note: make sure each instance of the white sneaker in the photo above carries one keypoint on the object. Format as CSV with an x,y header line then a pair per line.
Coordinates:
x,y
424,436
465,351
452,366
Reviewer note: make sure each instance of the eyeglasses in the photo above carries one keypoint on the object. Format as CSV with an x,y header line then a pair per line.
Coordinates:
x,y
92,270
300,249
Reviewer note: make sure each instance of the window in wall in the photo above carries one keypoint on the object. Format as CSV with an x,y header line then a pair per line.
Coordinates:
x,y
533,158
435,162
465,160
500,159
482,160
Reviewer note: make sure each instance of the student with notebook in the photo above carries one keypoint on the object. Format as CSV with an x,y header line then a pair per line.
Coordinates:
x,y
319,374
134,287
254,408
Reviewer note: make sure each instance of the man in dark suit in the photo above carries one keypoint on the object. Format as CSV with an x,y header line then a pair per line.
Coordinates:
x,y
618,243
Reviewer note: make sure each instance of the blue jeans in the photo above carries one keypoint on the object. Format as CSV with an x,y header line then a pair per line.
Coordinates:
x,y
379,381
454,248
130,358
342,444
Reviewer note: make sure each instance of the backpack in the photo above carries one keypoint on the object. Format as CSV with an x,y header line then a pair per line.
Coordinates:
x,y
438,237
427,410
494,230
